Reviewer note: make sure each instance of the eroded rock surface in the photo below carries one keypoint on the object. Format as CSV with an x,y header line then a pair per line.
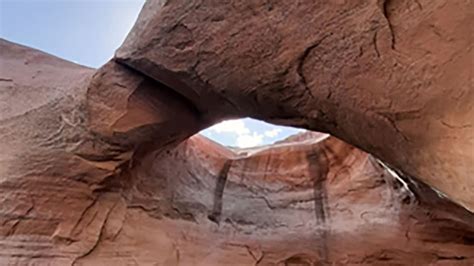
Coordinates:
x,y
65,130
97,167
310,200
400,71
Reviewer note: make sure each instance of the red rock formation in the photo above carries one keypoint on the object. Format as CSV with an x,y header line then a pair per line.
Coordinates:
x,y
399,71
65,129
98,167
299,203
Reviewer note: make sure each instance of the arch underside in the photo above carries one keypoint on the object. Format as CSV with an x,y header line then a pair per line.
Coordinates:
x,y
101,167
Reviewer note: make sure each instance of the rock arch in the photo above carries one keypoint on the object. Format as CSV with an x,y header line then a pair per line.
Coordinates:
x,y
101,161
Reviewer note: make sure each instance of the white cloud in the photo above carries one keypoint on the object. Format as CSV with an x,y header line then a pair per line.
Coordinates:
x,y
272,133
231,126
249,140
244,137
241,135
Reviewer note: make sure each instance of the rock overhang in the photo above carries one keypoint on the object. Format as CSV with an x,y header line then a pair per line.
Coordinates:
x,y
353,73
106,154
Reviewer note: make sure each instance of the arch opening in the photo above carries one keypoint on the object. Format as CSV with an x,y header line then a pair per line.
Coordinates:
x,y
79,183
248,133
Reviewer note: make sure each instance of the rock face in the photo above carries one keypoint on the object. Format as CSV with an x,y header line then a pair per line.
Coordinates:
x,y
304,201
299,203
98,167
399,69
65,130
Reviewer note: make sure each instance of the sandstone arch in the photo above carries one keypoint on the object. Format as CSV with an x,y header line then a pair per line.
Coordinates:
x,y
88,157
401,70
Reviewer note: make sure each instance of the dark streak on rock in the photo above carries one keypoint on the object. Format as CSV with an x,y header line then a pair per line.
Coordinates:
x,y
384,4
302,59
374,41
456,127
419,4
215,216
318,170
438,257
257,258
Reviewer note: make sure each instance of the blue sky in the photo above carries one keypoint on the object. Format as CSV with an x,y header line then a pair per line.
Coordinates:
x,y
89,31
247,132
